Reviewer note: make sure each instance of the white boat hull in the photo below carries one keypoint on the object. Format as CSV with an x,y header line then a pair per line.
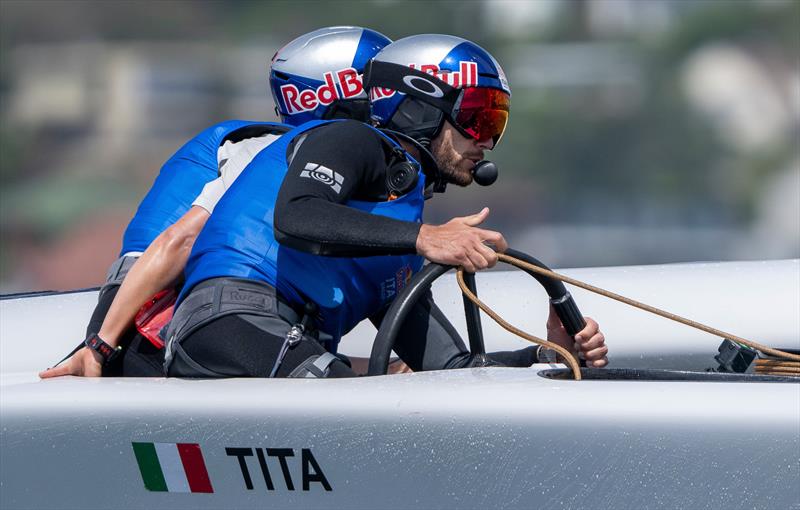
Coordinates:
x,y
476,438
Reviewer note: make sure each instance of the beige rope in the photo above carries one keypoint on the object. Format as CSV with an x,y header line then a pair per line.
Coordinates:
x,y
776,363
786,372
773,362
755,345
571,361
774,366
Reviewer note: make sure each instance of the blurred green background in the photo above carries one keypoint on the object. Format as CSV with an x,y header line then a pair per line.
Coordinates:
x,y
641,131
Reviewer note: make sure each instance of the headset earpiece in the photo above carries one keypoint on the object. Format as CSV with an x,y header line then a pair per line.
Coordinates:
x,y
401,175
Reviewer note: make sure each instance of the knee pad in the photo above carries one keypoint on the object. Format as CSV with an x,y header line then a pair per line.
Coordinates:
x,y
316,367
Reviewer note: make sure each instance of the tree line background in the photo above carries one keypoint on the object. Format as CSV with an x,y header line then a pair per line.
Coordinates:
x,y
640,132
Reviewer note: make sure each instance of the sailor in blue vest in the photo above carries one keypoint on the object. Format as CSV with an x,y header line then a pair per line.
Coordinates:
x,y
324,227
316,76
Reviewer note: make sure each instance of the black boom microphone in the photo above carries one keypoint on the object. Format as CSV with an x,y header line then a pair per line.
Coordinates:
x,y
484,173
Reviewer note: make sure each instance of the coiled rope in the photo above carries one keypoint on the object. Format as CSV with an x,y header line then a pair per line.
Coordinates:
x,y
775,366
786,367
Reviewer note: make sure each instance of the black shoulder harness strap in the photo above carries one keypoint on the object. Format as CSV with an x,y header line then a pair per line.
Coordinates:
x,y
255,130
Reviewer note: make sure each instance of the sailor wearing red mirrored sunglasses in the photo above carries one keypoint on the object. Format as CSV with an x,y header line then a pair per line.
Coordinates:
x,y
460,113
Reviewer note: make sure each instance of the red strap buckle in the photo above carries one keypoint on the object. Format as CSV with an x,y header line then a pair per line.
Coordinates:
x,y
155,314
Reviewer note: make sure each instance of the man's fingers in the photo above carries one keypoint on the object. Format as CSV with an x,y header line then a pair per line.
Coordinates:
x,y
476,219
495,239
500,244
475,262
488,254
589,331
593,343
54,372
597,352
598,363
460,243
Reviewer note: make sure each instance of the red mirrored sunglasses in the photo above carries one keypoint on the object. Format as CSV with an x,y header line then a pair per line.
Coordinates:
x,y
483,113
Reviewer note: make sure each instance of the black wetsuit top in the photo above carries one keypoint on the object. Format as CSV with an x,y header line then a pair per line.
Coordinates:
x,y
312,212
307,210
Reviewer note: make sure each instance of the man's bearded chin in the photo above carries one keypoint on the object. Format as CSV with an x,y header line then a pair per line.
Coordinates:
x,y
454,167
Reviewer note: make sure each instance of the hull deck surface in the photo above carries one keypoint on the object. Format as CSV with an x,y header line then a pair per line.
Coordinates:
x,y
475,438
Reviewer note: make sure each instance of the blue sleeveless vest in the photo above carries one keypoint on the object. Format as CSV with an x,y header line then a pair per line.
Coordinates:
x,y
178,184
238,241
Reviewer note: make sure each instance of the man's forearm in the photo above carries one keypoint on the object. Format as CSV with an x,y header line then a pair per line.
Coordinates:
x,y
325,228
158,268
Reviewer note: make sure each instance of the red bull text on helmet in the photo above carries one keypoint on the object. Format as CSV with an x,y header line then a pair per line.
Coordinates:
x,y
342,84
466,76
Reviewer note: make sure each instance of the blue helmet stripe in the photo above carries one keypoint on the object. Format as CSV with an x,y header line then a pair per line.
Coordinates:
x,y
469,51
488,74
369,45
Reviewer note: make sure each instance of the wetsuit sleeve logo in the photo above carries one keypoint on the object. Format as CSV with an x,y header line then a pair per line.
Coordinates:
x,y
324,175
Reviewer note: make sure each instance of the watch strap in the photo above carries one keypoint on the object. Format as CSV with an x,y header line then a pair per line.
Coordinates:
x,y
98,345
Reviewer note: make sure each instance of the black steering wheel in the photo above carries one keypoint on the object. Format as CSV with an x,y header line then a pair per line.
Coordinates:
x,y
560,299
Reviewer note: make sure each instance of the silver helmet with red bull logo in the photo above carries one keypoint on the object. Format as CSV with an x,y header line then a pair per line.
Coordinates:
x,y
318,75
418,82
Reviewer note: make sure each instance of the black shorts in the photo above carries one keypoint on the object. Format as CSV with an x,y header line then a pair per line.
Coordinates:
x,y
241,345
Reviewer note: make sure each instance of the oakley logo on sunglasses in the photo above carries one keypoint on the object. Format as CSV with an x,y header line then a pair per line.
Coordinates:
x,y
420,84
466,76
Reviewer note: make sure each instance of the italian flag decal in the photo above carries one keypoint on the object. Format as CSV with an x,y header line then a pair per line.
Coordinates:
x,y
171,467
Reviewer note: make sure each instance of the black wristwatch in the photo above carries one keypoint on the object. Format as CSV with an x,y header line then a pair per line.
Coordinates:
x,y
107,352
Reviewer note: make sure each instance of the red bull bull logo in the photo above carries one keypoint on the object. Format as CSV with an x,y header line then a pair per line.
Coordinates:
x,y
342,84
466,76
